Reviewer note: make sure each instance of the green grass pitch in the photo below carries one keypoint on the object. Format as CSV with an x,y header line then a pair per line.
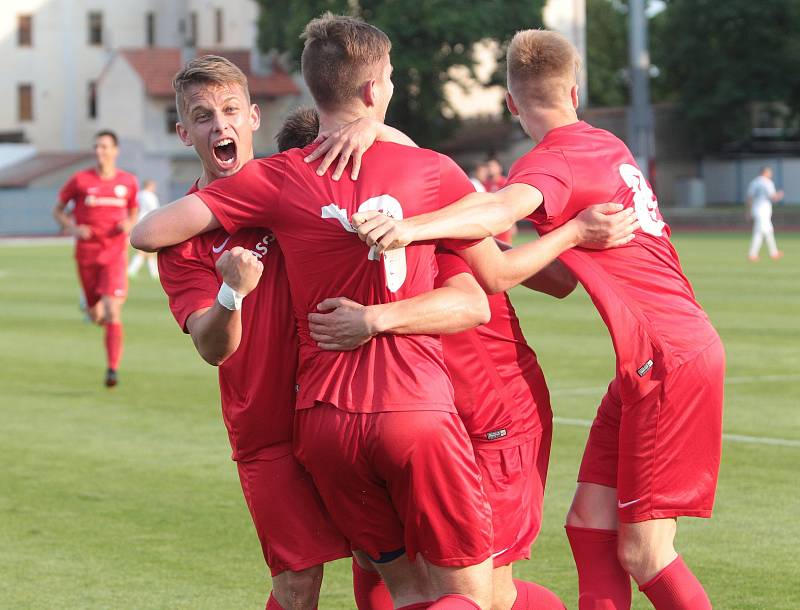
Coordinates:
x,y
126,499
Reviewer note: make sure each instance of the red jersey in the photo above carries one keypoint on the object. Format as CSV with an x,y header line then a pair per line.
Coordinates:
x,y
310,216
500,391
101,203
256,382
639,289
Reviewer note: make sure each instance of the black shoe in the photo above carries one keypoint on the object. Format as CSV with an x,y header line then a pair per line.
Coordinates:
x,y
111,378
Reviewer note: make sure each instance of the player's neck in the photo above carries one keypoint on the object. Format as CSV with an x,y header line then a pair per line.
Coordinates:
x,y
106,171
541,122
330,121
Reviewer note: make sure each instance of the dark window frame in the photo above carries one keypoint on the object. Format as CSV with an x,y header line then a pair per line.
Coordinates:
x,y
94,23
25,30
25,102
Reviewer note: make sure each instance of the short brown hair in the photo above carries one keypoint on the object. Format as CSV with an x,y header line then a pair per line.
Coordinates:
x,y
299,129
207,70
337,55
542,66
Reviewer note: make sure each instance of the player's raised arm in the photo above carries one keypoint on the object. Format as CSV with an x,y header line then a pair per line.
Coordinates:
x,y
353,140
459,304
474,216
217,330
597,227
173,223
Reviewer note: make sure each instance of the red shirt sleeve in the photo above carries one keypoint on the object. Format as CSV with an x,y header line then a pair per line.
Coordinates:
x,y
449,265
69,191
453,185
548,171
250,197
188,278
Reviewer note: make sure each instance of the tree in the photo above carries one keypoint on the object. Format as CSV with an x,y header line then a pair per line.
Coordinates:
x,y
607,52
721,57
428,38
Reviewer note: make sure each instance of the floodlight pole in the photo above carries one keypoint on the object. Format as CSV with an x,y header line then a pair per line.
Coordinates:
x,y
641,138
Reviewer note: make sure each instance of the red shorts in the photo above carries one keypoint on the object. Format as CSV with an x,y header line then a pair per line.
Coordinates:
x,y
293,526
398,480
106,279
514,480
662,453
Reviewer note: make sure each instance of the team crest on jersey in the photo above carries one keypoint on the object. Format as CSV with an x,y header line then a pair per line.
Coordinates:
x,y
120,190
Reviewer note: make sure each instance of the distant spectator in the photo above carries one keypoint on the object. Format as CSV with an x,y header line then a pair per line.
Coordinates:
x,y
495,179
761,194
148,202
480,173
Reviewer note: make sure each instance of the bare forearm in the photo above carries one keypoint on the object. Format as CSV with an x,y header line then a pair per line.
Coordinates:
x,y
478,215
63,219
439,312
172,224
555,279
526,262
216,333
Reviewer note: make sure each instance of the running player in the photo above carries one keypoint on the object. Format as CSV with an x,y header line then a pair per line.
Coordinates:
x,y
147,202
385,411
104,212
252,340
654,449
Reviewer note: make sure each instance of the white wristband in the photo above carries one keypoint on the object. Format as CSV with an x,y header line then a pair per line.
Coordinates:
x,y
229,298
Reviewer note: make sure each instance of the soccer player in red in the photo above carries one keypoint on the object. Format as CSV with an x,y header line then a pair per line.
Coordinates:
x,y
376,427
654,448
500,394
253,341
104,211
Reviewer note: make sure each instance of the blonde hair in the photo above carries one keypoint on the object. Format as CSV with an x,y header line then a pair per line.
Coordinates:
x,y
207,70
338,54
542,67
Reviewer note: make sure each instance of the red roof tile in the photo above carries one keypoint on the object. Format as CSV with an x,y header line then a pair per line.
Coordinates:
x,y
22,173
157,66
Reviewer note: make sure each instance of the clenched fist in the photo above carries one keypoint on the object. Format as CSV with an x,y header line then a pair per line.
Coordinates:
x,y
240,269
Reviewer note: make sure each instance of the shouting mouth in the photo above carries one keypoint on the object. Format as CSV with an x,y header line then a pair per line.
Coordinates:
x,y
225,152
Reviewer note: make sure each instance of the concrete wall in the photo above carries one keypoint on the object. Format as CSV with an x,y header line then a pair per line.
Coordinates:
x,y
28,211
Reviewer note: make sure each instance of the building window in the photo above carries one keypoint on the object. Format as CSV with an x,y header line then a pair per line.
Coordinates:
x,y
91,99
171,118
191,37
95,28
25,102
218,26
150,29
25,30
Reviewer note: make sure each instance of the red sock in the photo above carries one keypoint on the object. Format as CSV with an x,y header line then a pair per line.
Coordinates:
x,y
113,344
454,602
272,603
676,588
602,582
531,596
369,590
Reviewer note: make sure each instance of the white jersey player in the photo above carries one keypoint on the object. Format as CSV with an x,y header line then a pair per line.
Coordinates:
x,y
761,194
148,202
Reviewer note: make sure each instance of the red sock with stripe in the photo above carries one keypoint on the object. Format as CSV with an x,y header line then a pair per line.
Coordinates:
x,y
531,596
676,588
113,344
603,584
454,602
369,590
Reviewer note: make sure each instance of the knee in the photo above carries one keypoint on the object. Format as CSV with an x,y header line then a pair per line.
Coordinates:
x,y
298,590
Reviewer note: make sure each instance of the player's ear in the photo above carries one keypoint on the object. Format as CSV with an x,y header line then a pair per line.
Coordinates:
x,y
183,134
512,107
575,99
369,94
255,116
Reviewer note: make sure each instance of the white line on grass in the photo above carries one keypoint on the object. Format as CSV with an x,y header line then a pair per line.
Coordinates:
x,y
36,241
736,438
728,381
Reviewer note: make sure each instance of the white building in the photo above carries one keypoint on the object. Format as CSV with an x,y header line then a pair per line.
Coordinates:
x,y
55,50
